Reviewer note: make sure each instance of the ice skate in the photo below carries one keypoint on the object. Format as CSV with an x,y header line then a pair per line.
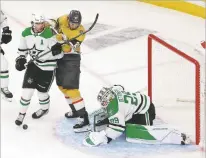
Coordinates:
x,y
20,119
83,124
185,139
6,94
39,113
71,114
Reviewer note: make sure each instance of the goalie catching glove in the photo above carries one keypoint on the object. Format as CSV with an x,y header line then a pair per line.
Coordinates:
x,y
96,138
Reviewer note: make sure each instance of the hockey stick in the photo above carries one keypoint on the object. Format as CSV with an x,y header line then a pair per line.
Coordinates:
x,y
68,41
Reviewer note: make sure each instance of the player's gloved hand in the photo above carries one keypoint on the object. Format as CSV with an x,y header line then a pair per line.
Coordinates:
x,y
75,47
20,62
6,35
56,49
95,139
66,48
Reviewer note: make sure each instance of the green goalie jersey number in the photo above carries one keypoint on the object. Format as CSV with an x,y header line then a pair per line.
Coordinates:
x,y
114,120
130,98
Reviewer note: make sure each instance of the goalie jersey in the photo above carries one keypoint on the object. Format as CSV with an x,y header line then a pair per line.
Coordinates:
x,y
122,108
36,44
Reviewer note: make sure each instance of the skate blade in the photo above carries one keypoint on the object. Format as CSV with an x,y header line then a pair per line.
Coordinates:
x,y
82,130
41,116
6,99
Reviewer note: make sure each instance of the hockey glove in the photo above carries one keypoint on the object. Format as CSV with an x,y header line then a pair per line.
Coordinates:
x,y
56,49
6,35
75,47
95,139
20,63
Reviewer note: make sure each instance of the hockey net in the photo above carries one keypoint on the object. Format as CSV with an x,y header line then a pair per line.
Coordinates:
x,y
176,85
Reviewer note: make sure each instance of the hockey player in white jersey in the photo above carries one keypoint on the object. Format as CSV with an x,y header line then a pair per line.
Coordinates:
x,y
39,75
4,70
133,113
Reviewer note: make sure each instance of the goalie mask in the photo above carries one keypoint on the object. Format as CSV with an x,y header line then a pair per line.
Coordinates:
x,y
105,96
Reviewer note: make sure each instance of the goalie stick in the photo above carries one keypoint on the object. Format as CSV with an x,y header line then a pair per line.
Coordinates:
x,y
68,41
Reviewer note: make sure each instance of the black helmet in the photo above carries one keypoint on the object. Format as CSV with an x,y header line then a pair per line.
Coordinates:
x,y
75,17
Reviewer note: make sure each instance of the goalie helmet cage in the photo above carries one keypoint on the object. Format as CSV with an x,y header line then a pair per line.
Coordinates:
x,y
178,52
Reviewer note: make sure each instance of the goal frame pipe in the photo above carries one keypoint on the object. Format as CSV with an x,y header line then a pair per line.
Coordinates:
x,y
152,37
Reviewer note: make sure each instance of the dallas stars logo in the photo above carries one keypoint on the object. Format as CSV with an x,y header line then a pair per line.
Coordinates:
x,y
34,51
30,80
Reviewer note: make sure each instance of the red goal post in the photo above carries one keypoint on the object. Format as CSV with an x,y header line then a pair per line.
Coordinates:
x,y
151,38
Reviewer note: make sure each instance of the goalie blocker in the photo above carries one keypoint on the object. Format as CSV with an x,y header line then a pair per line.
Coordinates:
x,y
119,114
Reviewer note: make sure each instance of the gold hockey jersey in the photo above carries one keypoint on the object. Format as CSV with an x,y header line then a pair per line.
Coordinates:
x,y
63,27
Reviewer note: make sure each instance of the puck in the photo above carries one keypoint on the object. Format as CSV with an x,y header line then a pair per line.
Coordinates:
x,y
25,126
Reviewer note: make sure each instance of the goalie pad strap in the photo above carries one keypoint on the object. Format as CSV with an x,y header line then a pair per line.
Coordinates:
x,y
117,125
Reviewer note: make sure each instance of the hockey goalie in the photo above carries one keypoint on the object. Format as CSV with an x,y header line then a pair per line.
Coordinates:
x,y
132,113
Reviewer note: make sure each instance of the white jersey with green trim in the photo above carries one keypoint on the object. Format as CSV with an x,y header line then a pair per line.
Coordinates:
x,y
36,44
122,108
3,22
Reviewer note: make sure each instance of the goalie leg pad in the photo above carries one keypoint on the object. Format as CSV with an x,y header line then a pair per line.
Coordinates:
x,y
161,134
144,119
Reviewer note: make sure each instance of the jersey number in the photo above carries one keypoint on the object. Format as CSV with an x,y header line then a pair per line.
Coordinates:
x,y
114,120
129,98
